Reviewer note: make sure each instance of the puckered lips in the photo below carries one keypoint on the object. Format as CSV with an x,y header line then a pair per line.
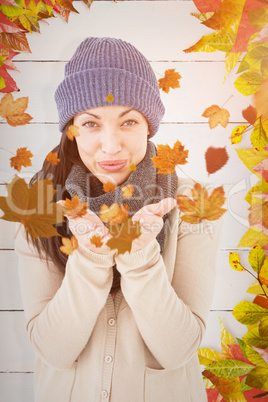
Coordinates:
x,y
113,165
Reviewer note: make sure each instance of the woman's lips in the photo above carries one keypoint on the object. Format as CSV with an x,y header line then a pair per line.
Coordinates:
x,y
112,166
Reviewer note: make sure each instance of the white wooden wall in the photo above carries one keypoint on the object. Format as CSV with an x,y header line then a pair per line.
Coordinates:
x,y
160,30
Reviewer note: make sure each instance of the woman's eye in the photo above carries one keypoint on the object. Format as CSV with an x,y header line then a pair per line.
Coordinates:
x,y
130,121
89,124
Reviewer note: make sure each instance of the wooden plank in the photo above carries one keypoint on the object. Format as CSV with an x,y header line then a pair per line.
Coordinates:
x,y
17,387
179,30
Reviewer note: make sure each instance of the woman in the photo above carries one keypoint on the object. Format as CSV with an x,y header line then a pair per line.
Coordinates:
x,y
107,326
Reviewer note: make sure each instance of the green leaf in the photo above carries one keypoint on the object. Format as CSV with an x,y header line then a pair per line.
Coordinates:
x,y
254,356
248,83
256,56
242,345
249,313
11,11
256,258
243,66
258,137
253,338
230,368
263,327
2,83
244,386
258,378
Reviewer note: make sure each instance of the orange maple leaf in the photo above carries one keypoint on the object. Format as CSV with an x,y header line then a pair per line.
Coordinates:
x,y
110,98
170,80
123,235
167,158
52,157
127,191
96,241
69,245
22,158
217,116
13,111
202,206
75,207
132,167
72,132
114,214
109,186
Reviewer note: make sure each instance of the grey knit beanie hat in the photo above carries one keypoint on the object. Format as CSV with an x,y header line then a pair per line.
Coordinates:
x,y
108,66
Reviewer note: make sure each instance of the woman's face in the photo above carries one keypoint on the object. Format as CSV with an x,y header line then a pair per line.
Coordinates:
x,y
111,139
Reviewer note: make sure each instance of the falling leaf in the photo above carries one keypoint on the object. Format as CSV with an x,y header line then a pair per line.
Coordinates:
x,y
52,157
110,98
167,158
74,207
69,245
96,241
123,235
259,214
112,214
237,132
132,167
261,99
215,158
250,114
72,132
22,158
13,111
109,186
217,116
170,80
234,260
127,191
202,206
32,206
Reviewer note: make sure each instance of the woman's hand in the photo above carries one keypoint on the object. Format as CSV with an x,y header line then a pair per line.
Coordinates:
x,y
86,227
150,218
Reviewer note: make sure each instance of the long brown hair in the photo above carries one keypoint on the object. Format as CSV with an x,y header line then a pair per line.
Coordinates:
x,y
68,154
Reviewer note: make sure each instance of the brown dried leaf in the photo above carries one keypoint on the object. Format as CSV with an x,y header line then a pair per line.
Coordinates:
x,y
52,157
114,214
216,158
69,245
75,207
127,191
167,158
13,111
170,80
22,158
250,114
216,116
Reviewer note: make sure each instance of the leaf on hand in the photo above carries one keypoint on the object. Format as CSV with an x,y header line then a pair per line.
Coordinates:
x,y
52,157
132,167
74,207
34,207
170,80
127,191
237,132
202,206
167,158
261,99
217,116
234,260
113,214
123,235
13,111
22,158
215,158
72,132
69,245
250,114
96,241
109,186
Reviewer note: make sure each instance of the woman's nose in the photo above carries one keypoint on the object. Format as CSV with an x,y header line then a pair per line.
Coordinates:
x,y
111,143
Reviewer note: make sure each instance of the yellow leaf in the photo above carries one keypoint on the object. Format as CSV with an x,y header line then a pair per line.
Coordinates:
x,y
248,83
237,132
226,339
13,111
74,207
261,99
72,132
252,237
208,356
69,245
231,60
234,260
263,276
22,158
112,214
217,116
215,41
258,137
256,289
167,158
52,157
132,167
170,80
250,157
109,186
127,191
96,241
110,98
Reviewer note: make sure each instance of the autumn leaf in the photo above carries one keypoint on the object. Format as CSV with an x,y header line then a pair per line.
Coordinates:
x,y
96,241
13,111
259,214
258,137
8,84
217,116
167,158
123,235
236,135
248,83
132,167
127,191
110,98
72,132
252,237
69,245
112,214
202,206
22,158
74,207
250,114
263,275
207,5
234,260
261,99
33,207
250,157
52,157
262,169
170,80
8,26
262,35
109,186
215,158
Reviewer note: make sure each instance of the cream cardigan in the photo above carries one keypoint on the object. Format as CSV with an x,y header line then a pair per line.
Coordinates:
x,y
139,347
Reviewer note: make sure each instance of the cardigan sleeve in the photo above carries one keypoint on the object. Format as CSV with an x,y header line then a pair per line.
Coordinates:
x,y
61,310
171,316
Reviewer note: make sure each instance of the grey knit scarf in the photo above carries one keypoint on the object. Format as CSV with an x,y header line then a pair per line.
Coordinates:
x,y
149,188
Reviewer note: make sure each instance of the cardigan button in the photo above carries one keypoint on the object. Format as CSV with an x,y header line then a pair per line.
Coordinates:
x,y
108,359
104,393
111,321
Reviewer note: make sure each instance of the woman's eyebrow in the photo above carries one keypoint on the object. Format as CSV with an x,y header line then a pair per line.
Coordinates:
x,y
99,117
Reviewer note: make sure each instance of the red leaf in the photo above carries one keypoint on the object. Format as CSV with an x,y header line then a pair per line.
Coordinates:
x,y
205,6
11,85
250,114
213,395
9,3
17,41
237,353
8,26
216,158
